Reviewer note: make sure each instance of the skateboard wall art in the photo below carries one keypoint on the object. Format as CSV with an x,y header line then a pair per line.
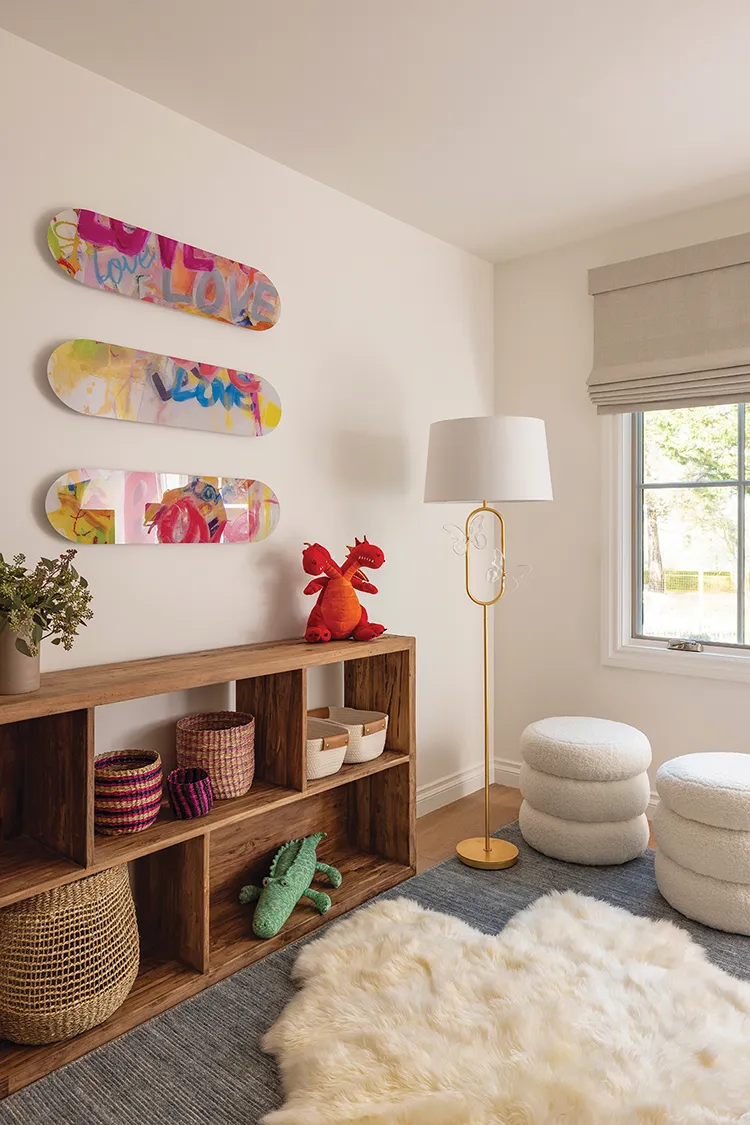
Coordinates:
x,y
114,506
106,253
109,381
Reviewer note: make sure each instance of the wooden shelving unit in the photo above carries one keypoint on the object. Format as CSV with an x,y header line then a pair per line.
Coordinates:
x,y
186,874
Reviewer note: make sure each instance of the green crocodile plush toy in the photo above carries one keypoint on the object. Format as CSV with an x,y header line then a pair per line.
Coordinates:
x,y
292,871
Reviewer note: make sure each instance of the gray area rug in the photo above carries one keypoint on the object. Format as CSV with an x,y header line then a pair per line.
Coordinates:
x,y
201,1064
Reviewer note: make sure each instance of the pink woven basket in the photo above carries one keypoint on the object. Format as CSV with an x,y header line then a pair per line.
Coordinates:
x,y
127,791
223,744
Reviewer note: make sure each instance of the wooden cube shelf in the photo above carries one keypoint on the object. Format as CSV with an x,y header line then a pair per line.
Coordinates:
x,y
186,874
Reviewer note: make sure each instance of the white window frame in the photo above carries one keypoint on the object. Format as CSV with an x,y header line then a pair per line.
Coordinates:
x,y
620,649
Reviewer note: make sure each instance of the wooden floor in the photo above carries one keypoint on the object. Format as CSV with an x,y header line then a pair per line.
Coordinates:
x,y
440,831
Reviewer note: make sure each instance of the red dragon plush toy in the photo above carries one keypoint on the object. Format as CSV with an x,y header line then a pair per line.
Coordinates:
x,y
337,614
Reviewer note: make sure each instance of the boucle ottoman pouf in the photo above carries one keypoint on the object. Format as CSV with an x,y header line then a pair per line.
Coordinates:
x,y
711,788
585,789
576,842
714,902
585,749
588,801
720,853
702,829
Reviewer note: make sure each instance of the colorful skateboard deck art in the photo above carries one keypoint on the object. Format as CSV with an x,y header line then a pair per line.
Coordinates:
x,y
110,506
108,381
106,253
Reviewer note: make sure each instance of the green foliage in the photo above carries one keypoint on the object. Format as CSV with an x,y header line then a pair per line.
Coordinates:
x,y
52,600
703,441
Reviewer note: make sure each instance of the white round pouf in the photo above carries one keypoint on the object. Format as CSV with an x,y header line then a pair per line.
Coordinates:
x,y
585,749
585,789
702,828
711,788
591,802
714,902
720,853
576,842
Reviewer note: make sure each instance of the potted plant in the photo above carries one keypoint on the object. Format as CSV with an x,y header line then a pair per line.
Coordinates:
x,y
52,600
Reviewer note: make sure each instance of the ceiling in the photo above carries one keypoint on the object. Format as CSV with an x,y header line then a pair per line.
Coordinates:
x,y
501,127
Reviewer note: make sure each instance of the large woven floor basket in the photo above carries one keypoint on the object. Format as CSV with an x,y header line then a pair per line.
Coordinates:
x,y
68,958
223,744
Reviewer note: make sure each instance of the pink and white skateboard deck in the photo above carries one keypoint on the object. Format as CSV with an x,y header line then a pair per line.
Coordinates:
x,y
108,381
106,253
110,506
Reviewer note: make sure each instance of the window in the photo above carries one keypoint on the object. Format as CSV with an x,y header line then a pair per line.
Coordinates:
x,y
689,496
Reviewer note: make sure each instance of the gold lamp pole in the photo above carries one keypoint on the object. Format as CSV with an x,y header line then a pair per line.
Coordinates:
x,y
504,456
484,851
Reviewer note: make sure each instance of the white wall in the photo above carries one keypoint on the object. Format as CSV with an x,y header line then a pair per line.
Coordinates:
x,y
548,632
383,329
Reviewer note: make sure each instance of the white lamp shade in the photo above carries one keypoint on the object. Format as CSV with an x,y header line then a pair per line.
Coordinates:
x,y
500,458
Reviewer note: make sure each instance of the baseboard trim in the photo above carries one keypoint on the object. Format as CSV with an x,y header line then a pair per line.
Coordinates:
x,y
448,789
506,772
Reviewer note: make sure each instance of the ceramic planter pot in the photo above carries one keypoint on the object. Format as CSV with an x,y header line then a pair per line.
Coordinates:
x,y
18,673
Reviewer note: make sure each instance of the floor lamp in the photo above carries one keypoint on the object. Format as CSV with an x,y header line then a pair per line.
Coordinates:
x,y
469,461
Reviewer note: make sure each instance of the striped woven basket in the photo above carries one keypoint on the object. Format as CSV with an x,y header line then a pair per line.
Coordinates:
x,y
223,744
127,791
190,793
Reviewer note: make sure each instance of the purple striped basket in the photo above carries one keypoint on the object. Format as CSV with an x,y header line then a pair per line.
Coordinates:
x,y
127,791
190,793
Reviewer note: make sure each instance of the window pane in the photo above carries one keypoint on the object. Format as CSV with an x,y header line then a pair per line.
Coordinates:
x,y
689,563
699,443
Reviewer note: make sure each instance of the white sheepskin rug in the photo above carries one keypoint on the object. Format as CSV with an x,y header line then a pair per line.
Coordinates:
x,y
578,1013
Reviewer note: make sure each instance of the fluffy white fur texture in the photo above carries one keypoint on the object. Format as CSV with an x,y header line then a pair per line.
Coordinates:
x,y
578,1013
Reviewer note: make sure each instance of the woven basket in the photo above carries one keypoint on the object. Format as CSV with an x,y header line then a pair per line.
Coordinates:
x,y
223,744
190,793
127,791
326,747
367,731
68,958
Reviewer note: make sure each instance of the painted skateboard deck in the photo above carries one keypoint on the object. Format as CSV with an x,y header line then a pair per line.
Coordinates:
x,y
110,506
108,381
106,253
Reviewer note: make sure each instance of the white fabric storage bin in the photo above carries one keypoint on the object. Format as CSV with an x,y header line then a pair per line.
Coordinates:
x,y
327,744
367,731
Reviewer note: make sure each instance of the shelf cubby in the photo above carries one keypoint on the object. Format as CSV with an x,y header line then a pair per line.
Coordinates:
x,y
186,874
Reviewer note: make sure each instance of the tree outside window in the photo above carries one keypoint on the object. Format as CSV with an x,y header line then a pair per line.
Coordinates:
x,y
690,496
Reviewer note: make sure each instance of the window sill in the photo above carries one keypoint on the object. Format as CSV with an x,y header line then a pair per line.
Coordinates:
x,y
708,665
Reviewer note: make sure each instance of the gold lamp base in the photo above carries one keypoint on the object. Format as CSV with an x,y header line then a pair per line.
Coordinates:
x,y
473,854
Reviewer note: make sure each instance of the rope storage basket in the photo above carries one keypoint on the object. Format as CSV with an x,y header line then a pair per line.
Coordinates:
x,y
223,744
367,731
190,792
127,791
326,747
68,958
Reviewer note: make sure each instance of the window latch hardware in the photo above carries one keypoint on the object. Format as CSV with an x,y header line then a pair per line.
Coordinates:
x,y
685,646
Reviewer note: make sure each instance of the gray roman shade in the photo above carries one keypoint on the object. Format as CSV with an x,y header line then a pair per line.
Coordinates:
x,y
673,329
